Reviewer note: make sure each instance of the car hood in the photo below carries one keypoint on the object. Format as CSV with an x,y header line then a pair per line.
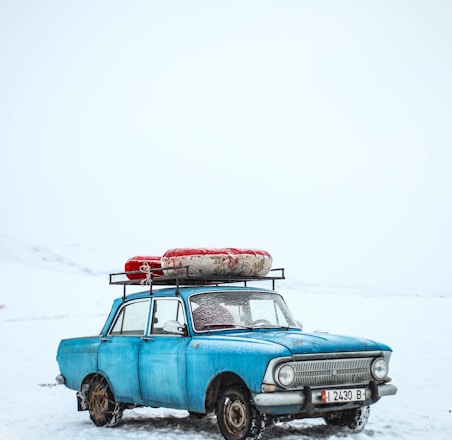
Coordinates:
x,y
310,343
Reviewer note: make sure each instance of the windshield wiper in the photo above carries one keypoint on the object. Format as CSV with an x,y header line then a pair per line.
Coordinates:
x,y
217,325
272,326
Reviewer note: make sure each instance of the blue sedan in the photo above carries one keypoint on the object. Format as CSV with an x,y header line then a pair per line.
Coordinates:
x,y
218,346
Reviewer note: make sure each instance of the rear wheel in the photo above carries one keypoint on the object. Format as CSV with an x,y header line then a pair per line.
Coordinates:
x,y
353,419
103,410
237,416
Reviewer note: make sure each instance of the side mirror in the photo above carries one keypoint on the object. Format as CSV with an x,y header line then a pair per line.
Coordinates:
x,y
174,327
299,324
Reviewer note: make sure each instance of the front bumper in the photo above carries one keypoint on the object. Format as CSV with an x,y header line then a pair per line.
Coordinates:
x,y
309,400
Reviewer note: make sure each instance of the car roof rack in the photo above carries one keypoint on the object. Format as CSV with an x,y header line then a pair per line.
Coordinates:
x,y
182,277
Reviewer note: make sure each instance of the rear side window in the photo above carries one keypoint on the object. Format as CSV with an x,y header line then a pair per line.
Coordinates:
x,y
132,319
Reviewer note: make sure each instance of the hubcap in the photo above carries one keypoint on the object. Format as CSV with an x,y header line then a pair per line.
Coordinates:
x,y
235,416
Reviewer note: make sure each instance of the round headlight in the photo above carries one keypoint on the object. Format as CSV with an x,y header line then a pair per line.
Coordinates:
x,y
286,375
379,369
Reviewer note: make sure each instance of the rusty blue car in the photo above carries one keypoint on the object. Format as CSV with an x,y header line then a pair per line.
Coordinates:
x,y
225,345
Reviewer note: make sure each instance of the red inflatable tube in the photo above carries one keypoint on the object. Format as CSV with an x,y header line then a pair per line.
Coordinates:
x,y
218,261
140,263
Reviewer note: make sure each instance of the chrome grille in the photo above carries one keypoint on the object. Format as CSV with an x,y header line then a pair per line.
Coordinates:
x,y
331,372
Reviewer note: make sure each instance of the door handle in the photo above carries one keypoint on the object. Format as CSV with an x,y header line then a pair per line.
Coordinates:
x,y
147,338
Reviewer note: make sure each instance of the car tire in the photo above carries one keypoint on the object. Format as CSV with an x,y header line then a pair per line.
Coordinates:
x,y
353,419
103,410
237,417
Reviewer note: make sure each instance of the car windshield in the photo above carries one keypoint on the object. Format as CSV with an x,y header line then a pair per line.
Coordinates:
x,y
236,309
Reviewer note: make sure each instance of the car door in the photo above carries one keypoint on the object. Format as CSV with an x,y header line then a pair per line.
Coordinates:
x,y
119,350
162,368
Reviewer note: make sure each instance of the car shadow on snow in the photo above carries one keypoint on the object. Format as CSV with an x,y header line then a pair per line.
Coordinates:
x,y
184,425
206,427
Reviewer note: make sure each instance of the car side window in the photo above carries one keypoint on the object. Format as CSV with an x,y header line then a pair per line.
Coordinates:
x,y
164,310
131,320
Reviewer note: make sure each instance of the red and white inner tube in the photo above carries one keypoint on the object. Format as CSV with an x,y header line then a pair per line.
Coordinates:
x,y
141,265
217,261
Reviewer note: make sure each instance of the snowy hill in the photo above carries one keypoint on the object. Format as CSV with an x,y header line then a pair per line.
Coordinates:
x,y
37,256
37,282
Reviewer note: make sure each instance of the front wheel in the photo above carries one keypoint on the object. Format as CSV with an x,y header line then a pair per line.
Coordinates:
x,y
353,419
103,410
237,417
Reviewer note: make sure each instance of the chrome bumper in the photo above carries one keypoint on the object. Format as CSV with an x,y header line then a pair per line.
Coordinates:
x,y
291,402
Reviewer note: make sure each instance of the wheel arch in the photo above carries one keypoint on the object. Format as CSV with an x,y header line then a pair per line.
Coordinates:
x,y
97,374
82,394
220,383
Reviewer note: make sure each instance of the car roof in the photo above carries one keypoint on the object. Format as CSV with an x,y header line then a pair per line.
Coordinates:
x,y
185,292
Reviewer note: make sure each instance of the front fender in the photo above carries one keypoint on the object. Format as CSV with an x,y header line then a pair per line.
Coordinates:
x,y
207,359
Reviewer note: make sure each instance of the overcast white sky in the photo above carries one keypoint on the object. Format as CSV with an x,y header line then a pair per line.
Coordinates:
x,y
318,130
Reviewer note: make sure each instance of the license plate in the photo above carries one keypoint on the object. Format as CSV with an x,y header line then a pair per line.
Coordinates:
x,y
344,395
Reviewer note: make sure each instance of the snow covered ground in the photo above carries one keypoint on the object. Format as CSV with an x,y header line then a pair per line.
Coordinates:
x,y
45,297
